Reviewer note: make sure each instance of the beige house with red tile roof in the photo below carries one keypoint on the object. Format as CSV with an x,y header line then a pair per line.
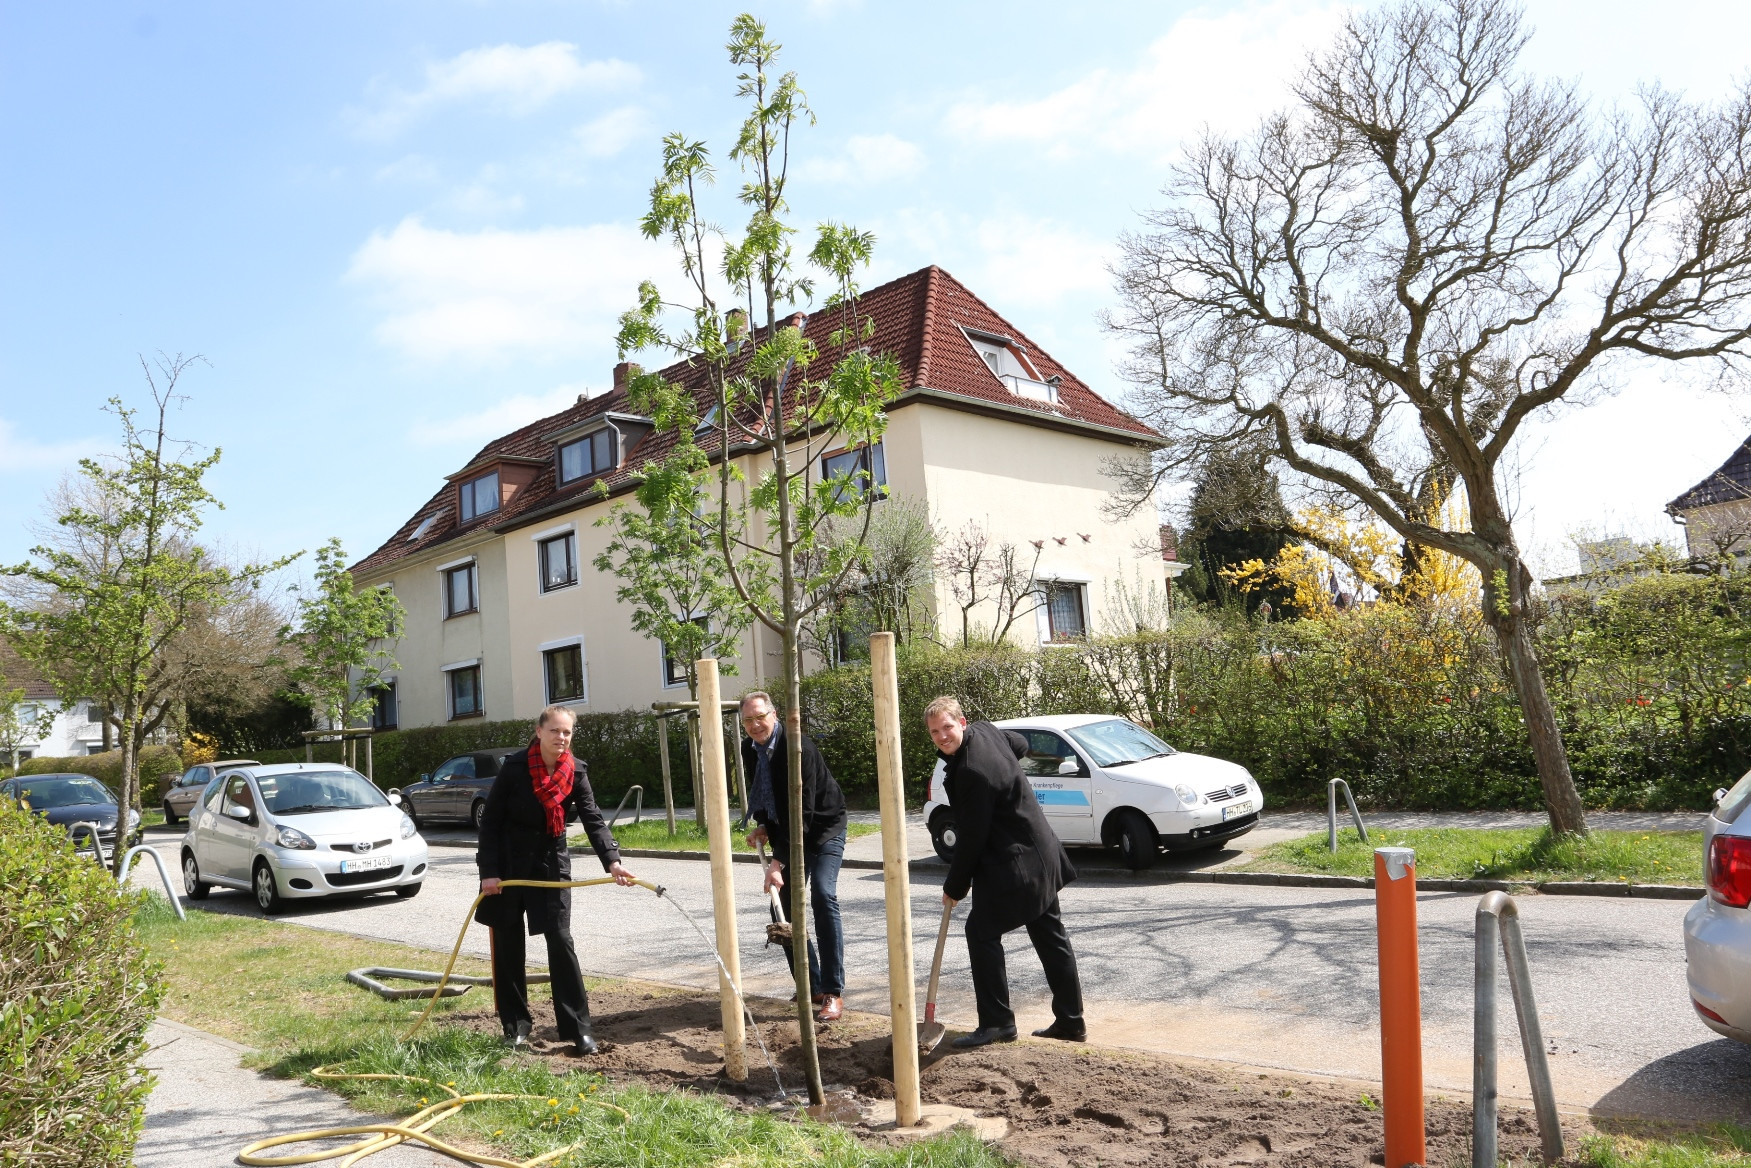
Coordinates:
x,y
505,612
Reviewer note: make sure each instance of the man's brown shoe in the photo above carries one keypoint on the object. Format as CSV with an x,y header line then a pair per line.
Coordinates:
x,y
832,1009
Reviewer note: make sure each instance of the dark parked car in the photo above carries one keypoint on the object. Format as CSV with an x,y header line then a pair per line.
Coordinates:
x,y
458,789
180,798
70,799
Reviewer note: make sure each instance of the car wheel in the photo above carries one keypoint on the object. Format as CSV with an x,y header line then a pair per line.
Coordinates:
x,y
408,891
477,813
1137,843
267,889
192,885
169,815
942,836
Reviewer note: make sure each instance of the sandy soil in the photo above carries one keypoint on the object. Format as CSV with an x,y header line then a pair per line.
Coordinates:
x,y
1067,1104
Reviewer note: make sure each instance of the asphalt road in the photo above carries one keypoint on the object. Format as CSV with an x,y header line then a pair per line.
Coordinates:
x,y
1268,977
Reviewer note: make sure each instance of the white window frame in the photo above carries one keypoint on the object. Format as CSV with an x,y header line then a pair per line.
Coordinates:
x,y
1043,611
546,647
450,692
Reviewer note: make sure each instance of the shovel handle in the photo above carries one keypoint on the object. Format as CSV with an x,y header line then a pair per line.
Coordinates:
x,y
936,963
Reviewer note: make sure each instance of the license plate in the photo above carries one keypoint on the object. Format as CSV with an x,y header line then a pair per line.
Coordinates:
x,y
367,865
1235,810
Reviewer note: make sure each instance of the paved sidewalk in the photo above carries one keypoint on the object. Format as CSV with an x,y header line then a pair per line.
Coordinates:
x,y
206,1106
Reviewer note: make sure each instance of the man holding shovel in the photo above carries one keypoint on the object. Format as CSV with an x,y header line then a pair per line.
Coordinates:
x,y
766,760
1010,857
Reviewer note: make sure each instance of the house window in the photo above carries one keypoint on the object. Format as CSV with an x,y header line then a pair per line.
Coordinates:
x,y
383,706
565,673
1066,615
1012,367
480,496
675,668
423,529
462,590
589,455
559,562
464,686
867,466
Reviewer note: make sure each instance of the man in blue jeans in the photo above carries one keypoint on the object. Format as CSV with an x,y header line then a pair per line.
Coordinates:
x,y
766,759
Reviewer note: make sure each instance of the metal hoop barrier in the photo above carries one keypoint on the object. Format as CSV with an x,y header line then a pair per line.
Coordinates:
x,y
1497,916
1331,813
369,976
163,874
637,807
96,840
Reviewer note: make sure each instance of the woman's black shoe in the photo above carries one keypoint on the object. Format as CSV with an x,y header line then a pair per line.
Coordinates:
x,y
1067,1031
985,1036
584,1046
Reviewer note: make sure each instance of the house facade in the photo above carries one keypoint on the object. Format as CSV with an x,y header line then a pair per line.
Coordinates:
x,y
42,724
1716,513
505,612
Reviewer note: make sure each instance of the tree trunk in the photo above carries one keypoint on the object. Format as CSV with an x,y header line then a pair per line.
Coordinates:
x,y
799,900
1505,611
125,798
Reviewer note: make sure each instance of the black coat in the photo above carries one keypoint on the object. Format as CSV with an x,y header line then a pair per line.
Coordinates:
x,y
515,844
1005,851
823,802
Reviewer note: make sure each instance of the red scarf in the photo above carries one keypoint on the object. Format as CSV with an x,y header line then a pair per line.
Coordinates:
x,y
553,788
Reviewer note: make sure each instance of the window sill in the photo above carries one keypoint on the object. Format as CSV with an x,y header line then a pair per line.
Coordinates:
x,y
556,588
465,717
463,613
580,700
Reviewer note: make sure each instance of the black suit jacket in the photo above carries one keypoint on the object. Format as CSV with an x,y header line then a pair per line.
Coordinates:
x,y
515,844
1006,853
823,802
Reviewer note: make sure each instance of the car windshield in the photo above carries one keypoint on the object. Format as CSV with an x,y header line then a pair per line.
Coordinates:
x,y
304,792
63,791
1117,742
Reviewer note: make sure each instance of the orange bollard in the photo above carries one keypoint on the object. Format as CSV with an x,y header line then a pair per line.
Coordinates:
x,y
1401,1006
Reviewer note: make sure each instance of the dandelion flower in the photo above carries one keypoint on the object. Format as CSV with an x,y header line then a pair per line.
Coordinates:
x,y
553,1103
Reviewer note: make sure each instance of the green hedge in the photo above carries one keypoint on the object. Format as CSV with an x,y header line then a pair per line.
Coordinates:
x,y
620,748
158,765
77,992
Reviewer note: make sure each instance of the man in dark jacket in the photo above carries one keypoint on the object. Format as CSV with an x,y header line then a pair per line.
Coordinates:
x,y
1010,858
522,837
766,759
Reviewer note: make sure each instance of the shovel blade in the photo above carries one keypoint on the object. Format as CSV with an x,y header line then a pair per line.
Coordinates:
x,y
930,1036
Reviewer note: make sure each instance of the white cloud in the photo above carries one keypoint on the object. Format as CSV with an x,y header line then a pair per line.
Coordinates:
x,y
501,418
1011,259
518,79
545,292
18,453
866,160
1223,70
613,132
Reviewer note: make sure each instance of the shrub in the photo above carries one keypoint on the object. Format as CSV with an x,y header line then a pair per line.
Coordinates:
x,y
77,992
158,765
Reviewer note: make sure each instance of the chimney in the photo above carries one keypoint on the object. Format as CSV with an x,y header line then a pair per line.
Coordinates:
x,y
736,324
624,373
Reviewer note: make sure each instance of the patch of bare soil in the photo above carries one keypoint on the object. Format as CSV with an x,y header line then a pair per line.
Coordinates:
x,y
1067,1104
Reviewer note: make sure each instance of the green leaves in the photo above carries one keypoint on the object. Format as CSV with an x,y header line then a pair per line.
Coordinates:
x,y
340,635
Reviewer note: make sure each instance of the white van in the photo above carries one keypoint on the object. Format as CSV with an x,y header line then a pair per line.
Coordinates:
x,y
1107,782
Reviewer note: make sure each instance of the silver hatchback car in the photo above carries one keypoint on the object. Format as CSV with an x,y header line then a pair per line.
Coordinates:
x,y
1717,929
300,830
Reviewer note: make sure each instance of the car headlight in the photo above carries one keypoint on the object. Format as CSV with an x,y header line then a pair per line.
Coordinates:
x,y
1186,795
408,828
291,837
133,818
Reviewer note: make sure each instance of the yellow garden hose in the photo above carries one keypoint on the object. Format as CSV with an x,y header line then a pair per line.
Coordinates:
x,y
417,1127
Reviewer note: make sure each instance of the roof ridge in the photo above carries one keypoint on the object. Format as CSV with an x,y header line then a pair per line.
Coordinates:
x,y
931,274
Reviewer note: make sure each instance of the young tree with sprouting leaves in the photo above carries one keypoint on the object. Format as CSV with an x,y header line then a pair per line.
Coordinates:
x,y
776,398
344,637
108,623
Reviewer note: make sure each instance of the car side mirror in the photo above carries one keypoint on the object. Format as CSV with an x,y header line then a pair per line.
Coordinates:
x,y
394,794
1069,767
1720,793
425,778
241,814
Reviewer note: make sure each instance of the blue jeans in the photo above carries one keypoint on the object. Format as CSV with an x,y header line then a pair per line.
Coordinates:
x,y
821,869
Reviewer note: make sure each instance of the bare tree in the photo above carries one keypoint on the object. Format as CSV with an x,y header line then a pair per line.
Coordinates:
x,y
1428,249
981,572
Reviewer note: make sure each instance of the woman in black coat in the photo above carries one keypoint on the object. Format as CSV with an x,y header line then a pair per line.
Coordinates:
x,y
1009,857
522,837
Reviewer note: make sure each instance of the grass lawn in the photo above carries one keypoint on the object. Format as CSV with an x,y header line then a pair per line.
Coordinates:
x,y
690,836
1528,854
1715,1146
279,988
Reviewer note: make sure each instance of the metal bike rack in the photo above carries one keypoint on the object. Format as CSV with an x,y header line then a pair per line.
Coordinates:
x,y
1497,915
96,840
637,808
458,984
163,874
1331,813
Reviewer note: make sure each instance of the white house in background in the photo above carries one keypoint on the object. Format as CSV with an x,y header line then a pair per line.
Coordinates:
x,y
505,613
73,730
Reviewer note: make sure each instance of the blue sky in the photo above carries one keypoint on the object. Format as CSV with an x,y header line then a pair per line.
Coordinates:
x,y
398,229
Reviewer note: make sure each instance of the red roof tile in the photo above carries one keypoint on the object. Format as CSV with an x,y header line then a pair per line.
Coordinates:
x,y
918,319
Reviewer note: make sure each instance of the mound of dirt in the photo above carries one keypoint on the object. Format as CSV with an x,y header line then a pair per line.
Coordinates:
x,y
1066,1104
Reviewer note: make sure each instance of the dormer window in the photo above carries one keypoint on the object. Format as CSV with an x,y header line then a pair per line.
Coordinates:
x,y
1009,362
592,454
480,496
424,528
